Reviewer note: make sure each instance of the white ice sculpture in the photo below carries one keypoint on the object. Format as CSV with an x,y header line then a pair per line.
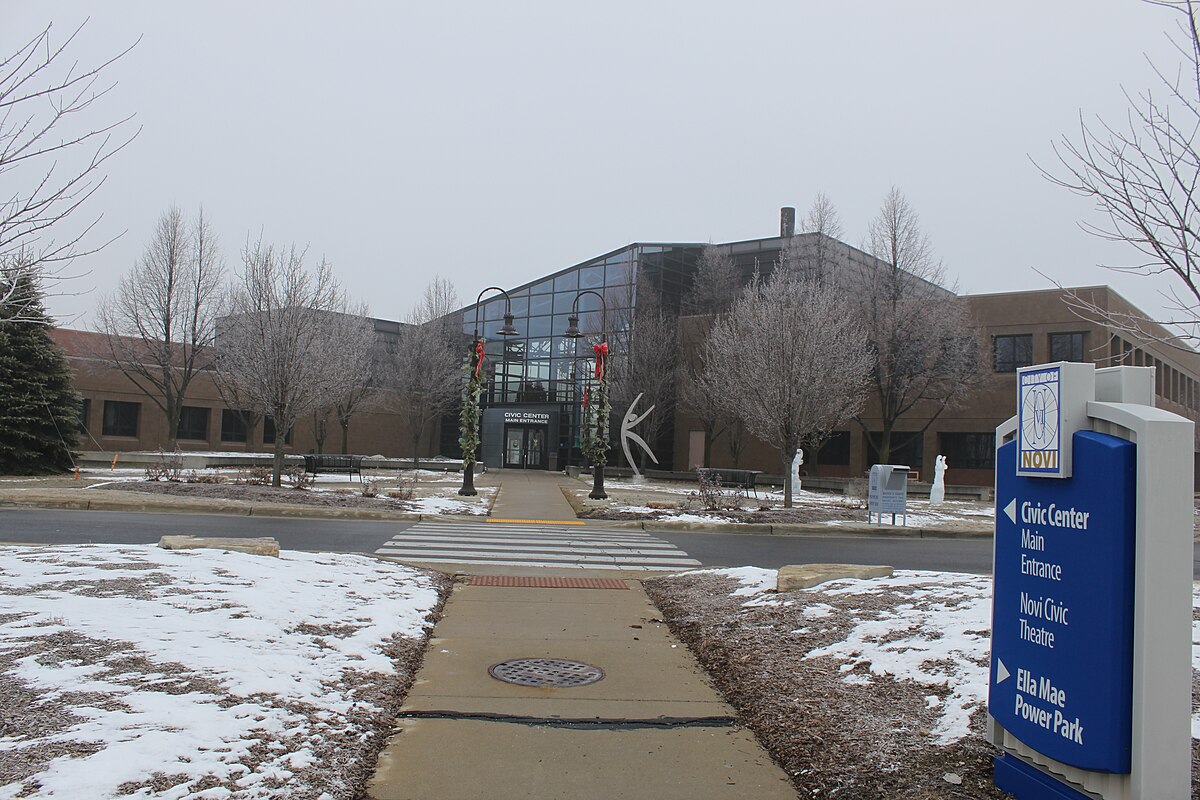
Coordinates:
x,y
630,420
796,463
938,493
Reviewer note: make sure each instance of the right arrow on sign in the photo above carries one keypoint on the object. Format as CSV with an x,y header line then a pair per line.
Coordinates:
x,y
1011,510
1002,673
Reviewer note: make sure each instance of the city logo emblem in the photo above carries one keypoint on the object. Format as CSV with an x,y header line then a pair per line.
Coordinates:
x,y
1039,411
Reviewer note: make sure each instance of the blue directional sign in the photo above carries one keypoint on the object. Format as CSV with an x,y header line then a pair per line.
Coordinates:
x,y
1062,613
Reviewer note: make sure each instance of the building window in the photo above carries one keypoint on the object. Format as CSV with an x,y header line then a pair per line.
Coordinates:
x,y
193,423
969,450
85,412
269,432
908,449
120,419
233,426
1066,347
1012,352
835,451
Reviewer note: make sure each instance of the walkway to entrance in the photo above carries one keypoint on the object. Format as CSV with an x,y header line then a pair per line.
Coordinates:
x,y
527,494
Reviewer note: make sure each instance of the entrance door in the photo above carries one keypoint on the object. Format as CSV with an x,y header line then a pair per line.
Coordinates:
x,y
525,447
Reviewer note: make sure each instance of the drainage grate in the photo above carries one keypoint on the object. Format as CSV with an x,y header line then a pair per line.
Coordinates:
x,y
547,583
556,672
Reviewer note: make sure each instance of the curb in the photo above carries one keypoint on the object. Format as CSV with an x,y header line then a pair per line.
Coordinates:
x,y
794,529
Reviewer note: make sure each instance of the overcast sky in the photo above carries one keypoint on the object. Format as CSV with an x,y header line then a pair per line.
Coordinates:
x,y
497,142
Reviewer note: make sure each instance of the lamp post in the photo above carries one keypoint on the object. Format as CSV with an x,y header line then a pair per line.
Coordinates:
x,y
598,446
469,427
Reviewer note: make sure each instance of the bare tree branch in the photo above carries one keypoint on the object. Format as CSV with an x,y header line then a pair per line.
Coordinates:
x,y
161,319
49,163
281,351
1142,176
792,361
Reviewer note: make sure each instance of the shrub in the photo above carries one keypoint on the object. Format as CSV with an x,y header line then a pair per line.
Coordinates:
x,y
298,478
169,467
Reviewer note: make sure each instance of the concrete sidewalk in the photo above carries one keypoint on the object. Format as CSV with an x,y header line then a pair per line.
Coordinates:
x,y
651,728
529,494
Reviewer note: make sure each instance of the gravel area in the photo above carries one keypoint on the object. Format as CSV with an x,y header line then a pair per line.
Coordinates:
x,y
837,731
269,494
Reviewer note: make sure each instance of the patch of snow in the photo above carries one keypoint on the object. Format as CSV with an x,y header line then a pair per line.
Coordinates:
x,y
212,612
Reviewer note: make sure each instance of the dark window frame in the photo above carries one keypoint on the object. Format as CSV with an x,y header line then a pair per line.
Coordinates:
x,y
968,450
234,426
117,424
1076,345
1012,360
186,429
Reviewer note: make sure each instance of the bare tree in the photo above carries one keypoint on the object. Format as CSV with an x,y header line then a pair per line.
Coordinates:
x,y
50,164
427,361
793,361
280,351
644,353
161,319
361,354
926,355
716,284
1144,178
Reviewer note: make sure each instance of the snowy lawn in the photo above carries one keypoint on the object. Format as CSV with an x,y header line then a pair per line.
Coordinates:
x,y
138,672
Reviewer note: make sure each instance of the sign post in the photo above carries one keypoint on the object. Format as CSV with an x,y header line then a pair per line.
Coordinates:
x,y
1090,685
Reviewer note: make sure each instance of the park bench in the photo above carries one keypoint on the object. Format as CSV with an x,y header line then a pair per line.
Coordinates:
x,y
334,465
742,478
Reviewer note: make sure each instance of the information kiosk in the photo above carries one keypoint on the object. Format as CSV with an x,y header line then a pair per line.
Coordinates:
x,y
1090,686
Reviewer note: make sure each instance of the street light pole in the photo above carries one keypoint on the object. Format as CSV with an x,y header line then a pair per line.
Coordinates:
x,y
469,425
599,448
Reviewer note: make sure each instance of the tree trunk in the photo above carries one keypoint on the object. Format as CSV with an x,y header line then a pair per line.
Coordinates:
x,y
345,435
884,451
787,476
277,466
416,440
173,409
708,444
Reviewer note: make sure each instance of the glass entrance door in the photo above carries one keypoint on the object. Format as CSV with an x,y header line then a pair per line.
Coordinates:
x,y
524,447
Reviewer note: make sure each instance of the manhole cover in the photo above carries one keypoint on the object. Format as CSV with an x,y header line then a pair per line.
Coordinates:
x,y
545,672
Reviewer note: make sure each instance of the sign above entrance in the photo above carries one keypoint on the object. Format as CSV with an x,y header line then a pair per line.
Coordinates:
x,y
526,418
1051,407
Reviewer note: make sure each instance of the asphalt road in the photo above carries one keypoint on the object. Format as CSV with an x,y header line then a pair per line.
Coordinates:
x,y
353,536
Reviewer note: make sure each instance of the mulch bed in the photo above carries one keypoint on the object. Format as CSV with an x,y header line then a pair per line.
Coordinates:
x,y
775,515
259,494
833,738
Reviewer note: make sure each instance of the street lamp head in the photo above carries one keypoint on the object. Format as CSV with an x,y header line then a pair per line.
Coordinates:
x,y
508,329
573,331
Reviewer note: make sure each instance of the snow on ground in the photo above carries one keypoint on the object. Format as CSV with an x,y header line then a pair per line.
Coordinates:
x,y
144,672
941,635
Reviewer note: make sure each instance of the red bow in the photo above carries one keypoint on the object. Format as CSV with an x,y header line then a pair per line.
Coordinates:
x,y
601,356
478,357
585,398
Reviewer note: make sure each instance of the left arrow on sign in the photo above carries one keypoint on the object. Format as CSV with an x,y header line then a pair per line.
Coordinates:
x,y
1011,510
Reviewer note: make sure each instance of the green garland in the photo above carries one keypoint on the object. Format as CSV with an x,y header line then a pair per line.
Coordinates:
x,y
468,418
595,438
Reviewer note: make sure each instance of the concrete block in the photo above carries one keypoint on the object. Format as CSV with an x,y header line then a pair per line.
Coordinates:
x,y
261,546
805,576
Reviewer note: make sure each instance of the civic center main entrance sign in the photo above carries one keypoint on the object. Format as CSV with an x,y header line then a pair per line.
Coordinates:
x,y
1090,682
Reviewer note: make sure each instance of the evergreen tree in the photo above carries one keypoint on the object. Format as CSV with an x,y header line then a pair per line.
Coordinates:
x,y
39,411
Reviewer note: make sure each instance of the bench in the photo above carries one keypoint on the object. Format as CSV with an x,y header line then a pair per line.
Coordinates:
x,y
334,464
742,478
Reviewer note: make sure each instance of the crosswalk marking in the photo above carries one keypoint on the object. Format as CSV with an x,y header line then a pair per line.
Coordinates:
x,y
535,545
